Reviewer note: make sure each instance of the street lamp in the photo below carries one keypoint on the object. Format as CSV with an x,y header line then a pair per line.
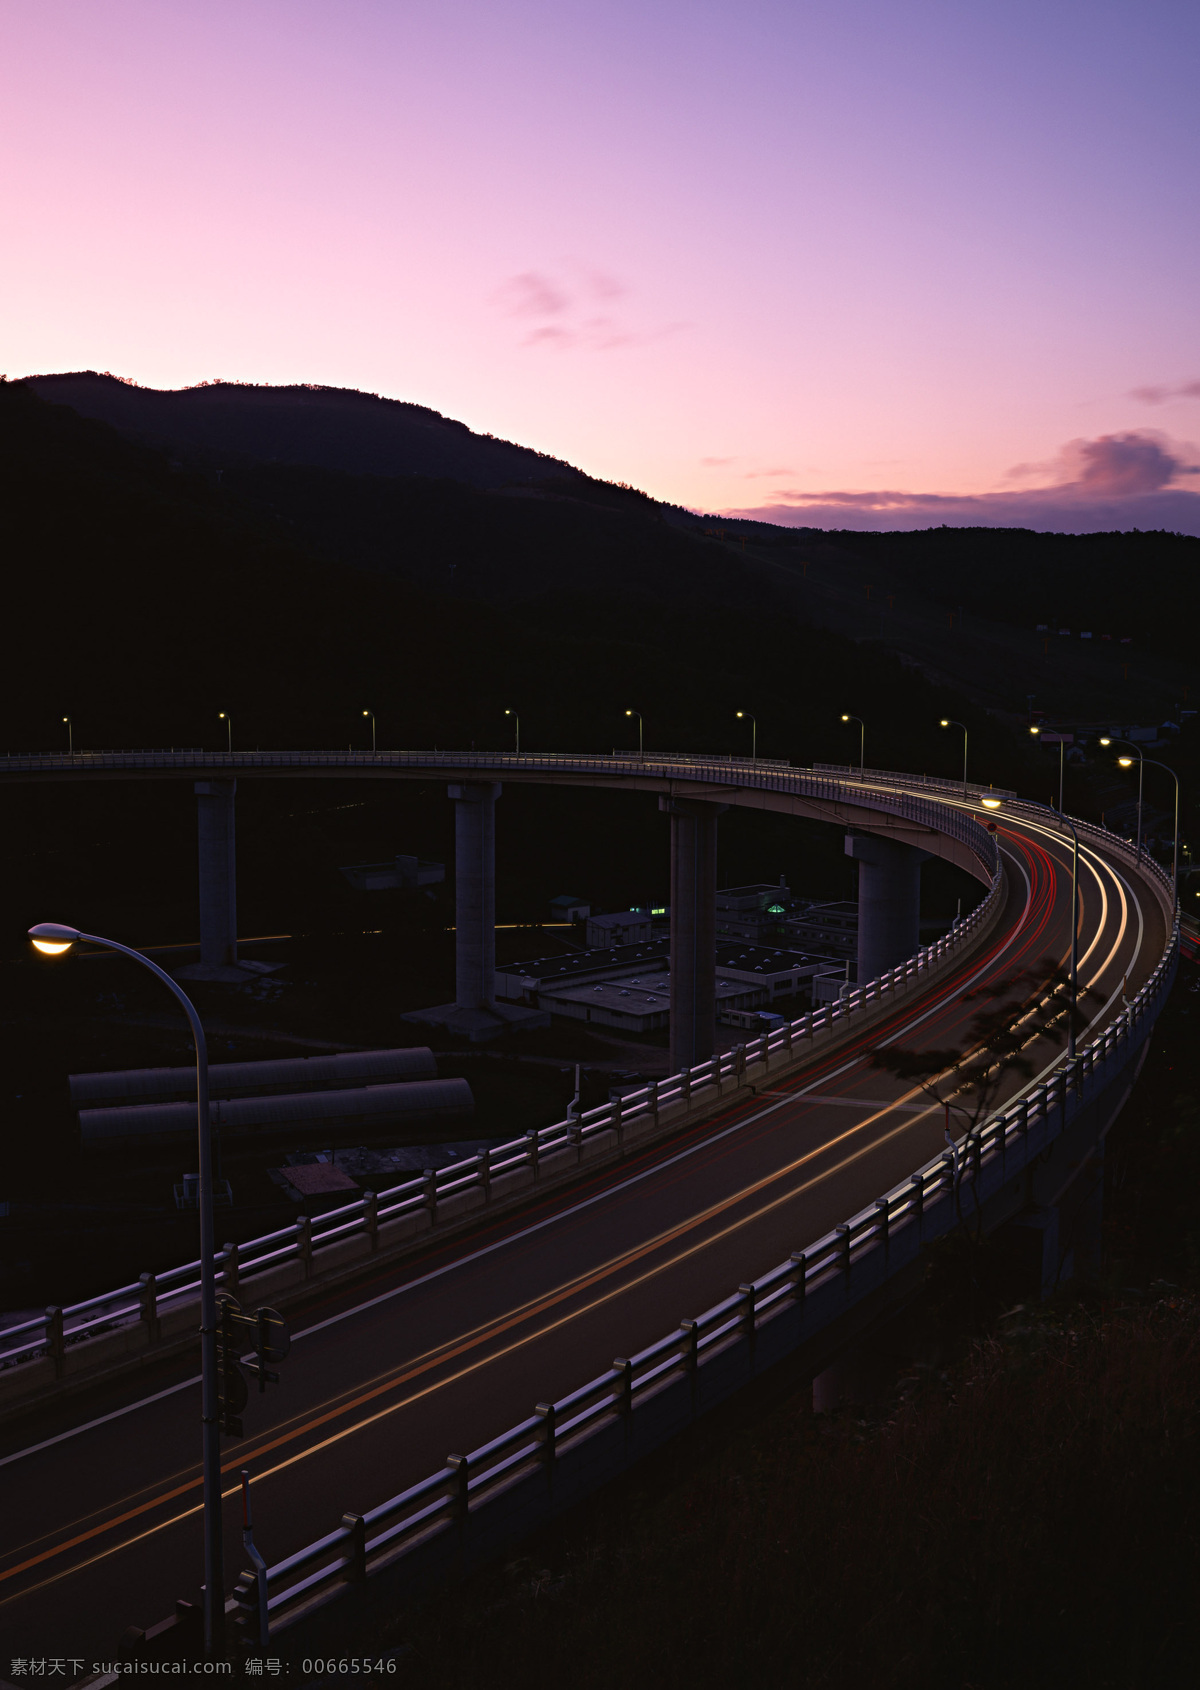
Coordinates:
x,y
517,721
52,939
371,714
947,722
1127,763
228,721
744,715
638,714
70,736
1115,739
862,740
1062,746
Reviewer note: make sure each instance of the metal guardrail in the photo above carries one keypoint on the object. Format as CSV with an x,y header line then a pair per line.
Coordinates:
x,y
836,1270
889,778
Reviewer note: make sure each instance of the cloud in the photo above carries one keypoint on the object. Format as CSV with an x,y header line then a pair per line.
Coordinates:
x,y
568,311
531,295
1116,481
1159,395
760,474
717,463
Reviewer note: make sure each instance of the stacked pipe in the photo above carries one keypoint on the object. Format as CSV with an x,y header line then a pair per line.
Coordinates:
x,y
401,1085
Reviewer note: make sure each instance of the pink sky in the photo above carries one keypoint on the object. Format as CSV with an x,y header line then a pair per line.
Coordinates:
x,y
753,256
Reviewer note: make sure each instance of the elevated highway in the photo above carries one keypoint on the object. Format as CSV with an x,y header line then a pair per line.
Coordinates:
x,y
446,1349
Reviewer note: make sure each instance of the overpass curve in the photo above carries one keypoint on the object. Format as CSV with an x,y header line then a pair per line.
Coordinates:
x,y
447,1349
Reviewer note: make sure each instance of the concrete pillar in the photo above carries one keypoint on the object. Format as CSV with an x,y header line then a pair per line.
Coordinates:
x,y
218,873
693,928
889,902
475,893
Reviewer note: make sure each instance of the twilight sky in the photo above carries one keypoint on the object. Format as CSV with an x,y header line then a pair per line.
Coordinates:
x,y
853,263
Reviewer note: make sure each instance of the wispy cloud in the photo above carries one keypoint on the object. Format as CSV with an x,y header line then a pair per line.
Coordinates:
x,y
761,474
1131,480
574,314
1159,395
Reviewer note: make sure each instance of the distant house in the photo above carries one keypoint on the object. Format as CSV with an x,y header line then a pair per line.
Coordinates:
x,y
568,908
626,927
400,873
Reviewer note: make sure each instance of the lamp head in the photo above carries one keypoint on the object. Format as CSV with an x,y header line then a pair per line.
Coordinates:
x,y
66,718
1125,762
740,714
221,716
366,712
990,803
945,722
51,938
629,712
1105,740
1035,730
845,718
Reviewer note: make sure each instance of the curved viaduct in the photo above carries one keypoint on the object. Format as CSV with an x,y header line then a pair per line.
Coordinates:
x,y
452,1342
889,831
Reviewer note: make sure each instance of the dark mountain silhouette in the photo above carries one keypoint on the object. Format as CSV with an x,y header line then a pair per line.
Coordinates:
x,y
333,428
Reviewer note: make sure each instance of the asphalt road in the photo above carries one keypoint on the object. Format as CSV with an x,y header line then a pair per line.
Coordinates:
x,y
101,1522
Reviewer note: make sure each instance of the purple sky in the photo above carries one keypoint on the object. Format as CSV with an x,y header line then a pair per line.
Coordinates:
x,y
866,263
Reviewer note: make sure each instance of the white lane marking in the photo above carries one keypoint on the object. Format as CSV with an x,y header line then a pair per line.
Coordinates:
x,y
548,1220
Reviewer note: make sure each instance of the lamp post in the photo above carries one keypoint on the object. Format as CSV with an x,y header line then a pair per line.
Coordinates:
x,y
1062,746
228,721
641,742
70,736
52,939
1115,739
744,715
1127,763
371,714
947,722
862,740
517,722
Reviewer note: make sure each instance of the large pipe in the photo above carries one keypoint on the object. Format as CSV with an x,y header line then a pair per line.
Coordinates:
x,y
368,1107
254,1079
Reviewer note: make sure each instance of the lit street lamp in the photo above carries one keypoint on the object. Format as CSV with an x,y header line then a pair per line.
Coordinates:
x,y
70,736
1127,763
52,939
948,723
744,715
228,721
1062,746
1115,739
371,714
641,743
862,740
517,722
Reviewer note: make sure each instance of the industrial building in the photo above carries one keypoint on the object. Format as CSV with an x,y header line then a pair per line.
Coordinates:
x,y
754,912
625,927
748,976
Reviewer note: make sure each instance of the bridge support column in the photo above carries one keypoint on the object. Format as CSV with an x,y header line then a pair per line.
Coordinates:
x,y
693,928
217,862
475,1015
889,902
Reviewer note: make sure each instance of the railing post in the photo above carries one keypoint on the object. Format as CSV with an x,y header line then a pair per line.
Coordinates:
x,y
148,1307
371,1220
843,1233
917,1187
623,1392
354,1559
460,1491
534,1143
54,1340
547,1434
304,1243
485,1172
686,1077
716,1071
618,1124
882,1217
798,1277
690,1354
231,1270
575,1140
746,1318
429,1176
654,1099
